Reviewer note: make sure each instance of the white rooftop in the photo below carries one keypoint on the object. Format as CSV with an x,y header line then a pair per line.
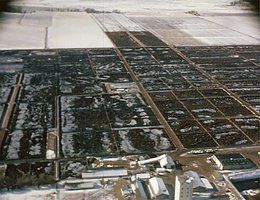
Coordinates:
x,y
143,176
104,173
167,162
157,187
198,181
207,184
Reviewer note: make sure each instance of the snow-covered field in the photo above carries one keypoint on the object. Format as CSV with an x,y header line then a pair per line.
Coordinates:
x,y
48,193
177,22
14,36
29,194
76,30
133,5
117,22
41,30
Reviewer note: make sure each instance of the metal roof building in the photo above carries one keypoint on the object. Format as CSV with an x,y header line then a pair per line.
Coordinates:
x,y
138,188
167,162
233,162
105,173
158,189
199,184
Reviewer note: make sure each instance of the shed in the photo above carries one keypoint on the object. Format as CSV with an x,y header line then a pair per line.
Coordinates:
x,y
105,173
79,185
234,161
143,176
167,162
207,184
158,189
199,184
138,188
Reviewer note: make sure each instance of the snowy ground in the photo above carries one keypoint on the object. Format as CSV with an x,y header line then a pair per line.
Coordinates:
x,y
207,22
48,193
21,37
28,194
133,5
51,30
76,30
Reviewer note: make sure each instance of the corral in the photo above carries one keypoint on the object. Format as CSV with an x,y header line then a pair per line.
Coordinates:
x,y
191,99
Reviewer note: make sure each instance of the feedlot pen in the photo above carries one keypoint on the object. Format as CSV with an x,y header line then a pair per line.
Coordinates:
x,y
208,96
